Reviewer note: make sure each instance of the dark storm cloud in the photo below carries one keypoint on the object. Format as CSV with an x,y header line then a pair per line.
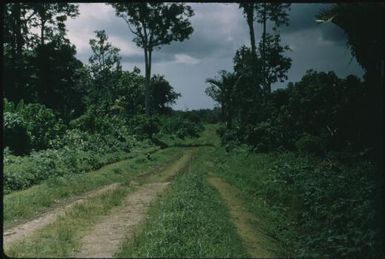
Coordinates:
x,y
219,30
303,16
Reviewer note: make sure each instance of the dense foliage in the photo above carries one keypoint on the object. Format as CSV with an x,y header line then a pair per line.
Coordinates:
x,y
321,105
86,143
75,152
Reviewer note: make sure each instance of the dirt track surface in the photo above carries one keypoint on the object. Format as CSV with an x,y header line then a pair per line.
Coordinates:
x,y
105,237
23,230
253,239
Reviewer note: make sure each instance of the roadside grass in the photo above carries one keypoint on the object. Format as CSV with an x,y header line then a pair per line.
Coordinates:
x,y
191,220
23,205
62,238
314,207
250,173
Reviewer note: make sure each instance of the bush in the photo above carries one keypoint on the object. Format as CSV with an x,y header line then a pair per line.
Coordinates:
x,y
309,144
73,153
16,135
336,212
228,137
145,126
182,127
41,123
81,156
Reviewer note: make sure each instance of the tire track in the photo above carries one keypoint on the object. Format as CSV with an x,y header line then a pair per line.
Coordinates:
x,y
104,239
258,245
23,230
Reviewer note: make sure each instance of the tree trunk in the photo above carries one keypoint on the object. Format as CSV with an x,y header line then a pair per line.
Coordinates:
x,y
150,96
19,38
42,32
147,82
250,22
17,51
267,87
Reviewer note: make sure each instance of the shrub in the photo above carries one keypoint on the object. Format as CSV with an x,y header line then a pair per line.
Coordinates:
x,y
145,126
23,172
42,124
182,127
228,137
16,135
73,153
309,144
336,216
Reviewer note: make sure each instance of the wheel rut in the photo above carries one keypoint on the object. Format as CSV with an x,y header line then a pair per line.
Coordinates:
x,y
105,237
258,245
102,240
24,230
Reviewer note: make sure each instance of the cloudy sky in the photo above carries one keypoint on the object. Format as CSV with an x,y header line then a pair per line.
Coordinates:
x,y
219,30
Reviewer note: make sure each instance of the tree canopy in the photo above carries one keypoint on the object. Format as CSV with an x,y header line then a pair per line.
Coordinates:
x,y
154,25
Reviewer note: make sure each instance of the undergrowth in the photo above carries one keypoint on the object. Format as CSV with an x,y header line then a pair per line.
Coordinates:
x,y
314,207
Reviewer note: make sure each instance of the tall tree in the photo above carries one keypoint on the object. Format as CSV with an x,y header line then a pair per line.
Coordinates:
x,y
262,13
248,12
15,36
277,13
50,18
105,68
274,64
22,49
154,25
54,75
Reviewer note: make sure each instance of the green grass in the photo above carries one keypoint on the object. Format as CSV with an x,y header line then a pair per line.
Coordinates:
x,y
314,207
62,238
250,173
23,205
190,221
